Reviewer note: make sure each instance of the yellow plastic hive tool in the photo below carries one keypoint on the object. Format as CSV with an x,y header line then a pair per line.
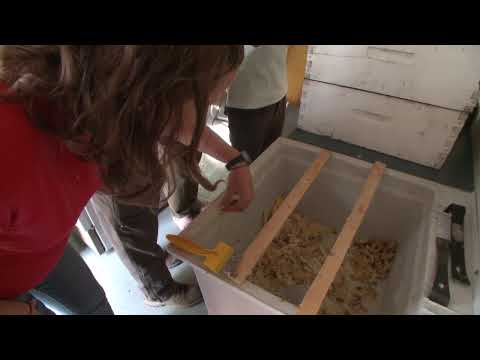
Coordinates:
x,y
215,259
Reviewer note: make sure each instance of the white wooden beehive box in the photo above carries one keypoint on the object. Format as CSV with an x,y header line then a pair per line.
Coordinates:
x,y
408,101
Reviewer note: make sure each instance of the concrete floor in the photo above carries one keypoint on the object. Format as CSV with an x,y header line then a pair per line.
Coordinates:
x,y
122,291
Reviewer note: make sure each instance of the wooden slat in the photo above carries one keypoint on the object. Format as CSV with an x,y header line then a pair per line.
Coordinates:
x,y
271,229
296,64
316,294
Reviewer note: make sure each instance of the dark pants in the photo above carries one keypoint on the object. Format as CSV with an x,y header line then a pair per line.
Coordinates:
x,y
254,130
137,247
71,288
137,229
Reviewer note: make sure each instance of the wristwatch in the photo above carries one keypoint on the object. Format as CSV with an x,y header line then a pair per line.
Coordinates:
x,y
242,158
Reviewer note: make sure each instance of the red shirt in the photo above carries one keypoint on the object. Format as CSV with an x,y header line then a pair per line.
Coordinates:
x,y
43,189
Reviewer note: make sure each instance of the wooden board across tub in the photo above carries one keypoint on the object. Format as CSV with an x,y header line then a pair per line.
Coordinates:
x,y
318,290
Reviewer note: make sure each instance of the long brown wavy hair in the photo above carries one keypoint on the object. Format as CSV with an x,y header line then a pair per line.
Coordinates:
x,y
115,102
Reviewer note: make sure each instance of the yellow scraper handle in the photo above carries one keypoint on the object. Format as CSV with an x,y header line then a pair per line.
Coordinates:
x,y
188,246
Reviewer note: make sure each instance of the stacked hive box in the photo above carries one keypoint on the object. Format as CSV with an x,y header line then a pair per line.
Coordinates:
x,y
410,102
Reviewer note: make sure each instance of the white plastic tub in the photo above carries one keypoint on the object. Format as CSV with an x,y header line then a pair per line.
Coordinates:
x,y
403,210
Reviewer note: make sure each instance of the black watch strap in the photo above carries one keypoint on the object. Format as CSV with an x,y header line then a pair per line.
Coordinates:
x,y
242,158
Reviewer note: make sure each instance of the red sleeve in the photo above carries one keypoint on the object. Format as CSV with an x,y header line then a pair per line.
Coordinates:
x,y
43,190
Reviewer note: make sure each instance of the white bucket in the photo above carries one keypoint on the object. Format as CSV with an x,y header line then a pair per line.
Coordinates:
x,y
404,210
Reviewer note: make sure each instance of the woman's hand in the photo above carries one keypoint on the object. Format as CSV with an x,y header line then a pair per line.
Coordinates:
x,y
18,308
239,193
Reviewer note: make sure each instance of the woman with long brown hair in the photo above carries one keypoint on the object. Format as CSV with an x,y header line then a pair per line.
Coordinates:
x,y
79,119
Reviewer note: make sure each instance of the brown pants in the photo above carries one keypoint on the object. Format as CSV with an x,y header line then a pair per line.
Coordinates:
x,y
137,229
254,130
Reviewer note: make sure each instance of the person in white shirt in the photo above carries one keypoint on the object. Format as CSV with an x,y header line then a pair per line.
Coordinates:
x,y
256,101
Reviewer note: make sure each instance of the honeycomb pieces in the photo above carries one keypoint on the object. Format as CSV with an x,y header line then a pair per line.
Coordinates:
x,y
298,252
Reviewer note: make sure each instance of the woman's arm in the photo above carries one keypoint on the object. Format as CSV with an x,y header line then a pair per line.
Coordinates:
x,y
239,193
8,307
210,143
